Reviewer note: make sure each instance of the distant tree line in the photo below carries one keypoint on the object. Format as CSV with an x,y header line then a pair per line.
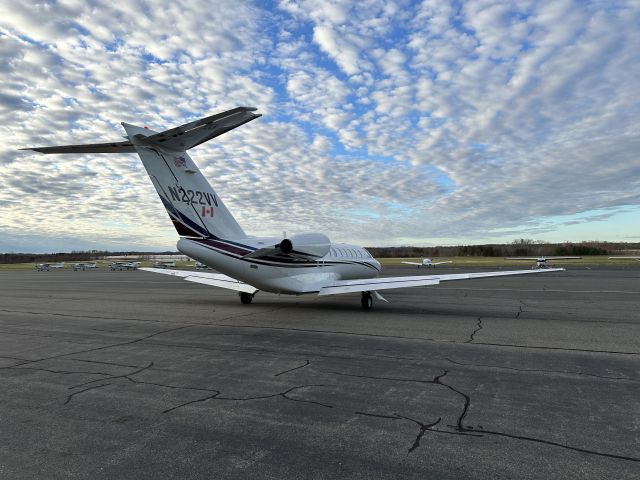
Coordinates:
x,y
517,248
75,256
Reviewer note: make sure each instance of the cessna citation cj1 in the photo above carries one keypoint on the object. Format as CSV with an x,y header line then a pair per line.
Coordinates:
x,y
301,264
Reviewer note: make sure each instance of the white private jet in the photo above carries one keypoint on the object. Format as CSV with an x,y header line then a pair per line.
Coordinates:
x,y
307,263
426,262
541,262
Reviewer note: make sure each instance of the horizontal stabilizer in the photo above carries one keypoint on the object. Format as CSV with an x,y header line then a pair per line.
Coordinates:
x,y
178,139
213,279
228,283
189,135
113,147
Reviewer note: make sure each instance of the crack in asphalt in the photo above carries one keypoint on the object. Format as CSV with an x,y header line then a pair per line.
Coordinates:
x,y
458,429
63,372
204,399
272,351
294,368
461,428
104,363
103,347
13,358
423,428
83,317
113,377
478,328
564,372
94,387
376,415
467,429
284,395
423,339
565,349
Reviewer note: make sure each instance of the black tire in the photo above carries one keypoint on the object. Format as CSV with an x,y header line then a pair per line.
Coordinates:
x,y
246,298
366,300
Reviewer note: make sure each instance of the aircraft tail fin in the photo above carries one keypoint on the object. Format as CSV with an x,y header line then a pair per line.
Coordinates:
x,y
193,206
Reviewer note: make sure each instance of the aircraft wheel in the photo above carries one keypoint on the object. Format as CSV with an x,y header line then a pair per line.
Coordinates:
x,y
366,300
246,298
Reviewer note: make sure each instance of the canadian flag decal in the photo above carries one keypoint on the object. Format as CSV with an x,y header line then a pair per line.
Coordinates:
x,y
207,211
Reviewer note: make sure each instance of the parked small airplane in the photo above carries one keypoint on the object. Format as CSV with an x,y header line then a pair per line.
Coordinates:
x,y
300,264
426,262
541,262
84,266
165,264
45,267
124,265
201,266
625,258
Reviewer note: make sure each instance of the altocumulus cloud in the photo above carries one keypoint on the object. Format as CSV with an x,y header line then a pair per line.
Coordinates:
x,y
386,122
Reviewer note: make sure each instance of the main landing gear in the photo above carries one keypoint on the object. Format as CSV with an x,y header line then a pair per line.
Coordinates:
x,y
246,297
366,300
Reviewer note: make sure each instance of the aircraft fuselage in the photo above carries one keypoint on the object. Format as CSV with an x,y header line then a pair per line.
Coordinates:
x,y
280,274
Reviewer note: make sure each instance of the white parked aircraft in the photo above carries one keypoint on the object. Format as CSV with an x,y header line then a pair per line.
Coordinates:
x,y
300,264
84,266
426,262
124,266
625,258
41,267
541,262
165,264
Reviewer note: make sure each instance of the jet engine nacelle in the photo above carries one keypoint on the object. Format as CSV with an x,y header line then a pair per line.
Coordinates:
x,y
315,244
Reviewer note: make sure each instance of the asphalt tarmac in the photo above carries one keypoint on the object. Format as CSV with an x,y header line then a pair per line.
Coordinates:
x,y
136,375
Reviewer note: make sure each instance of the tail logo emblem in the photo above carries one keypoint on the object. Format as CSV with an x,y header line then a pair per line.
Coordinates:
x,y
180,162
207,211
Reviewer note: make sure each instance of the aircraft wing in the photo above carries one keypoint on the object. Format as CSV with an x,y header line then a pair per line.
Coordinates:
x,y
385,283
440,263
524,258
411,263
213,279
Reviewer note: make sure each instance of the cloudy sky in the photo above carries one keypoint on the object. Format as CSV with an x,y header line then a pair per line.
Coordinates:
x,y
385,122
